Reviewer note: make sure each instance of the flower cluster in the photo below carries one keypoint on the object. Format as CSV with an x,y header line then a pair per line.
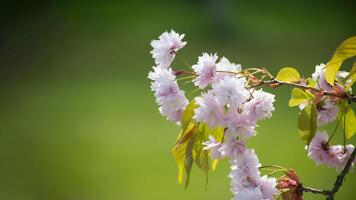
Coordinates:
x,y
319,149
228,103
169,97
331,155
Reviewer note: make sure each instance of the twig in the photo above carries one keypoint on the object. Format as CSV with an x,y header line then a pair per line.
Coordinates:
x,y
276,83
316,191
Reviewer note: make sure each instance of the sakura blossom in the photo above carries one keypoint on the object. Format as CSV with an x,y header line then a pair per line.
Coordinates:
x,y
169,97
334,156
229,102
327,111
166,47
231,91
246,181
260,106
205,70
214,147
319,76
209,110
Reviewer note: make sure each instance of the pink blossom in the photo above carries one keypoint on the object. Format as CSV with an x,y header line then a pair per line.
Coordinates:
x,y
268,187
327,112
232,147
319,75
166,47
318,149
260,106
209,110
205,70
214,148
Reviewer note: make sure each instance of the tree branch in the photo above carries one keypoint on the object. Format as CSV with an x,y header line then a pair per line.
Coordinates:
x,y
340,178
276,83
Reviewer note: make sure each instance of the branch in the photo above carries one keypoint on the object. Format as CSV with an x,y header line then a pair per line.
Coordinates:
x,y
340,178
316,191
276,83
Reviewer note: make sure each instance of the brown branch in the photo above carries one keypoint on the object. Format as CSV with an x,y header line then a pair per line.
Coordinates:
x,y
338,182
275,83
340,178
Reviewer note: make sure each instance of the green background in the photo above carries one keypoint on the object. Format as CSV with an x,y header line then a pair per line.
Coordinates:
x,y
78,120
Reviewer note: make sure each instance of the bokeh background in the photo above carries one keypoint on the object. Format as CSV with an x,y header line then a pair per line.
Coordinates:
x,y
78,120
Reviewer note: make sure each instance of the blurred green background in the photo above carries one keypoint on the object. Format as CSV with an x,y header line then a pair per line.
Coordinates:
x,y
78,120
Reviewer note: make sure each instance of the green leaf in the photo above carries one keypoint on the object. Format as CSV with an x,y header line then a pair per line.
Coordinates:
x,y
288,74
188,114
351,78
201,157
180,148
346,50
298,97
307,122
348,121
189,149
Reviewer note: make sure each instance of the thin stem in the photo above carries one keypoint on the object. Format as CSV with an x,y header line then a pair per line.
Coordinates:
x,y
275,83
316,191
336,127
273,167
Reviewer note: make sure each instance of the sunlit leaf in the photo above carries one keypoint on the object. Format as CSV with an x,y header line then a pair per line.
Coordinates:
x,y
348,121
288,74
351,78
201,157
346,50
180,148
307,122
298,97
188,114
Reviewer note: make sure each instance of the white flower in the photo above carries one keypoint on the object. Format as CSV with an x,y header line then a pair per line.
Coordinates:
x,y
268,187
166,47
209,110
214,148
249,194
260,106
231,147
231,91
169,97
205,70
240,126
319,75
248,163
225,65
327,113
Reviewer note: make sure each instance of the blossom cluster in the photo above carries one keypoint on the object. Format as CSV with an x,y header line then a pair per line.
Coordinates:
x,y
226,103
229,101
320,150
331,155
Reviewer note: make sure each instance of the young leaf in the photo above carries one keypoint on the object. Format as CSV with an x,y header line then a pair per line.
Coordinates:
x,y
348,121
180,148
201,156
298,97
351,78
346,50
288,74
188,114
307,122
